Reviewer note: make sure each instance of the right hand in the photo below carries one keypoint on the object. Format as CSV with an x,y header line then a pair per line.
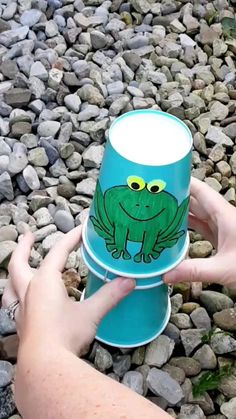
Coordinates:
x,y
213,217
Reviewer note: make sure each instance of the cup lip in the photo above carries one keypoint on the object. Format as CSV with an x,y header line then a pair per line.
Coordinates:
x,y
157,112
130,274
145,342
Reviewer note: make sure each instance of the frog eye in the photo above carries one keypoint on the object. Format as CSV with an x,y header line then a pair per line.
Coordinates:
x,y
156,186
135,183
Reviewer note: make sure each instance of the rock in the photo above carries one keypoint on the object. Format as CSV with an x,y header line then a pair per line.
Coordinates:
x,y
217,153
225,319
218,111
141,6
134,380
188,308
6,249
138,355
176,303
200,249
224,168
54,78
9,69
29,140
66,190
88,112
73,103
200,319
161,384
91,95
227,386
8,38
48,128
214,184
17,97
132,59
222,343
191,411
30,17
215,301
206,357
51,28
7,326
7,404
207,35
8,233
176,373
191,339
38,157
229,408
58,168
98,39
71,279
215,135
121,364
44,232
190,366
64,221
159,351
43,217
38,70
5,150
232,162
103,359
6,373
181,320
31,178
172,332
92,157
86,187
230,130
6,188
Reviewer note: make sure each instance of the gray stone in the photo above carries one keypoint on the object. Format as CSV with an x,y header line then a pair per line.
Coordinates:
x,y
191,339
38,70
44,232
217,153
5,149
48,128
206,357
200,249
121,364
6,373
181,320
51,29
6,188
9,69
64,221
7,326
73,102
232,162
134,91
43,217
86,187
91,95
161,384
226,319
9,11
51,240
58,168
159,351
141,6
201,319
38,157
31,178
7,404
222,343
98,39
4,163
215,301
218,111
230,130
132,59
134,380
118,105
74,161
190,366
172,332
29,140
192,411
6,249
88,112
92,156
103,359
8,38
17,97
229,408
30,17
214,184
8,233
215,135
176,373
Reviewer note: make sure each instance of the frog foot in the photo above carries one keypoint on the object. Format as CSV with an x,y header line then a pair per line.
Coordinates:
x,y
146,257
118,252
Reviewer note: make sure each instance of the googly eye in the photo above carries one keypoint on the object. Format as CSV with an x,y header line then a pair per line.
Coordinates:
x,y
135,183
156,186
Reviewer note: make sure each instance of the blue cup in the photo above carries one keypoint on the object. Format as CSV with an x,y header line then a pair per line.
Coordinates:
x,y
137,319
137,225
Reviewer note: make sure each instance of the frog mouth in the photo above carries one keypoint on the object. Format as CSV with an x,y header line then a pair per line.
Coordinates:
x,y
141,219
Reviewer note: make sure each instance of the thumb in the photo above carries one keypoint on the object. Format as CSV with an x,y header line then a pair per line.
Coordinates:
x,y
108,297
196,270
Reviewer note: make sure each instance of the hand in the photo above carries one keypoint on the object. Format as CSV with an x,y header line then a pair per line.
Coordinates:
x,y
46,313
213,217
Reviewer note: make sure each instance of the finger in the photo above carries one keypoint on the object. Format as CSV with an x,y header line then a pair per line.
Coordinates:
x,y
197,209
107,297
9,295
195,270
211,201
19,269
57,257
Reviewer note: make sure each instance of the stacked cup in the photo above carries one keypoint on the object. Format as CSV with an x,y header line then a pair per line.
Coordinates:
x,y
137,225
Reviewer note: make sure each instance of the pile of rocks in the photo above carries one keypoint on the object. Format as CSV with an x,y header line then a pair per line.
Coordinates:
x,y
67,69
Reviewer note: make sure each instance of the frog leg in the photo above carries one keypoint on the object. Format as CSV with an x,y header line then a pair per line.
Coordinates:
x,y
118,247
147,251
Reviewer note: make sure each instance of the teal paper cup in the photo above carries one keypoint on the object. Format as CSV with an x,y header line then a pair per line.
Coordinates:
x,y
137,225
137,319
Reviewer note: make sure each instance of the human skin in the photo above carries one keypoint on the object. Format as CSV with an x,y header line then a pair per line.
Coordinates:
x,y
52,381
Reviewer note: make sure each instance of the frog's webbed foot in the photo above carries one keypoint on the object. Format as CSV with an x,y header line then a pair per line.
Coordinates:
x,y
118,252
146,257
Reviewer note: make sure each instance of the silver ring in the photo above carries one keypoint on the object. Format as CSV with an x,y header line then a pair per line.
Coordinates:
x,y
11,310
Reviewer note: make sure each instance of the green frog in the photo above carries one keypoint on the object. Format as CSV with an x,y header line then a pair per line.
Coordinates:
x,y
138,212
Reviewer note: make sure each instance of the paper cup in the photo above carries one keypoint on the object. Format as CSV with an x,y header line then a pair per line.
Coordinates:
x,y
137,319
137,224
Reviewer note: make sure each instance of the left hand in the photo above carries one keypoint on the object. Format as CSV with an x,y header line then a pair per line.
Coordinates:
x,y
46,313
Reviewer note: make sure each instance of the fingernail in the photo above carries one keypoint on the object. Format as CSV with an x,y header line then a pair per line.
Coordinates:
x,y
127,284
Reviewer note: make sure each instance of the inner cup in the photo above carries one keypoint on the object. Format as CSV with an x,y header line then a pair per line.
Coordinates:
x,y
150,137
